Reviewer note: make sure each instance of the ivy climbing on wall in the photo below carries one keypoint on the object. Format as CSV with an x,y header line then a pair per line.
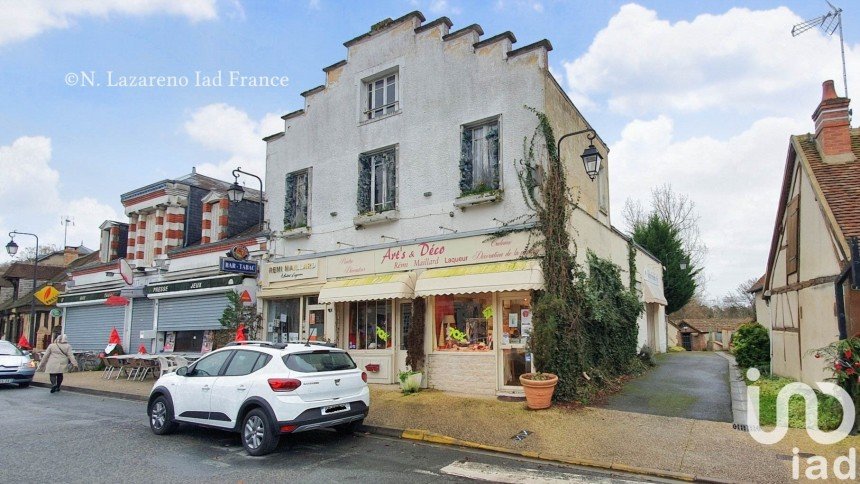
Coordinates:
x,y
585,323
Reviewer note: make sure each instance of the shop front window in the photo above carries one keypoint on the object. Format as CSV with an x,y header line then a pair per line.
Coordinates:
x,y
516,326
464,323
190,341
370,324
284,320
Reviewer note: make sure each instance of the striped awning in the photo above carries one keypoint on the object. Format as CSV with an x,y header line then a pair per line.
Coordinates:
x,y
368,288
518,275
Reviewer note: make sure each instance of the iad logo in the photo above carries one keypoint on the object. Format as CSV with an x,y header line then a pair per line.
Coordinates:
x,y
811,400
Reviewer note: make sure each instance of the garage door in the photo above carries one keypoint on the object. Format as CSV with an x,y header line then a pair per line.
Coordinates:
x,y
88,327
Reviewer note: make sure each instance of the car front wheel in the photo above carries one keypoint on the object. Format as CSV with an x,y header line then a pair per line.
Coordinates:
x,y
161,416
258,433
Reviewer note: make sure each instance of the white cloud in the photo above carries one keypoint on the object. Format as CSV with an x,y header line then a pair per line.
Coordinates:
x,y
440,7
25,19
734,182
226,129
26,167
741,60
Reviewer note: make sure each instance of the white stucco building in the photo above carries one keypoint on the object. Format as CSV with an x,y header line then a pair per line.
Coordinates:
x,y
388,185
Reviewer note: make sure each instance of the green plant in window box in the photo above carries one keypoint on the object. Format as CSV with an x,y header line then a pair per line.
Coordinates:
x,y
480,190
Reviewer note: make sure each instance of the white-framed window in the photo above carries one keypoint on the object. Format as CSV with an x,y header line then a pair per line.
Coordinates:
x,y
479,157
377,181
381,96
297,196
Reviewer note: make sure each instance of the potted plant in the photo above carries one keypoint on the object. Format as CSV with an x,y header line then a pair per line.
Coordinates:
x,y
539,388
410,381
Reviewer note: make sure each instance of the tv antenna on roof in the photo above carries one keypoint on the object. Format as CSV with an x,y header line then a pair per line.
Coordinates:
x,y
829,23
65,221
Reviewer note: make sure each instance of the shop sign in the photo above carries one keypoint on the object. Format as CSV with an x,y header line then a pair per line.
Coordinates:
x,y
652,278
238,266
93,296
427,255
193,285
240,252
291,271
47,295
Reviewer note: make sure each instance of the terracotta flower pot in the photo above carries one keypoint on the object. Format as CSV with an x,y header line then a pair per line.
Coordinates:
x,y
538,392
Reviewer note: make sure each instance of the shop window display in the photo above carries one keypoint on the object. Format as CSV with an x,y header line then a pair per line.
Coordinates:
x,y
370,324
464,323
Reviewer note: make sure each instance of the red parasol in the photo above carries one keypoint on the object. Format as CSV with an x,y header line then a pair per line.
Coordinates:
x,y
114,337
23,343
240,333
142,350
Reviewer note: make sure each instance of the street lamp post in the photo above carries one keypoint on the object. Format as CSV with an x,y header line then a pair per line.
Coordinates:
x,y
590,156
12,249
236,193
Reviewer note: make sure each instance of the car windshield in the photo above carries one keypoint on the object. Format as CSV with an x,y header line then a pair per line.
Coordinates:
x,y
319,361
7,349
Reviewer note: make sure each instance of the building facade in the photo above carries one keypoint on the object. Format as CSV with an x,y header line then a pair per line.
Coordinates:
x,y
179,234
396,187
808,295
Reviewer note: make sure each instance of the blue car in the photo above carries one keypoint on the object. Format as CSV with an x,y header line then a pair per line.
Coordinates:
x,y
15,366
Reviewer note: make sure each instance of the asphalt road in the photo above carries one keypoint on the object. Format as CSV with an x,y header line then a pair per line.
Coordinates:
x,y
69,437
693,384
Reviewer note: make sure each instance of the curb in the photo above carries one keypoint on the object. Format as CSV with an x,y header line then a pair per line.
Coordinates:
x,y
423,436
97,393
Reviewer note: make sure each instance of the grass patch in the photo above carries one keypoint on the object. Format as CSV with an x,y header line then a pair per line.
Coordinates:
x,y
829,409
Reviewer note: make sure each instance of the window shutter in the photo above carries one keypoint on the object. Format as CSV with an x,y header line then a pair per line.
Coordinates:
x,y
792,228
363,198
289,201
493,152
466,160
391,180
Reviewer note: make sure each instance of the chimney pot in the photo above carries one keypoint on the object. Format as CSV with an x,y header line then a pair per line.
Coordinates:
x,y
828,90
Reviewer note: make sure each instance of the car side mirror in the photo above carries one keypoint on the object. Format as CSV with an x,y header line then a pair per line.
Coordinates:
x,y
182,371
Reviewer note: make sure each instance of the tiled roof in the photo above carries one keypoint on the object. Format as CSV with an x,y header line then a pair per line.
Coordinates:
x,y
24,270
58,281
840,183
759,284
711,325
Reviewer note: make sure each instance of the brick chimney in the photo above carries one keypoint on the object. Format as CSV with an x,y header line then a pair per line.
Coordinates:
x,y
69,255
833,126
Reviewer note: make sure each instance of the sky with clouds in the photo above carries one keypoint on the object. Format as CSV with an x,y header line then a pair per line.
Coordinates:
x,y
700,94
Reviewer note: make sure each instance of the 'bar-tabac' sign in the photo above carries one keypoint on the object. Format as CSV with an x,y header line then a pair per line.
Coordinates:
x,y
193,284
238,266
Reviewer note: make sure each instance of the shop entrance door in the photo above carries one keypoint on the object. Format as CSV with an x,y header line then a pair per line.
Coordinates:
x,y
313,326
516,325
404,313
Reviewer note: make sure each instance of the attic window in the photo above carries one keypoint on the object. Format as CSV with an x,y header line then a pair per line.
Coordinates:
x,y
381,96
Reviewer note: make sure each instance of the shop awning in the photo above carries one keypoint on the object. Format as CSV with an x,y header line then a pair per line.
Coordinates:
x,y
652,293
368,288
516,275
296,288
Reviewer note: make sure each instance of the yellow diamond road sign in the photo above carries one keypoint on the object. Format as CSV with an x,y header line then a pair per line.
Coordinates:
x,y
47,295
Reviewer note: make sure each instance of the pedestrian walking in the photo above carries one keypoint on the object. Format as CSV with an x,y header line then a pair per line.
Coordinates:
x,y
56,361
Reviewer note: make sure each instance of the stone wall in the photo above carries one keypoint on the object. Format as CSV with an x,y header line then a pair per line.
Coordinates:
x,y
476,374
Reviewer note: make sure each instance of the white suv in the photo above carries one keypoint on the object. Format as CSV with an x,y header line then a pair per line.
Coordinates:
x,y
263,390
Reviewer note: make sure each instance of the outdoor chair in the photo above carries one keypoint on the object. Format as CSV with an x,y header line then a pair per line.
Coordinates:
x,y
123,365
133,369
147,366
180,361
167,365
110,367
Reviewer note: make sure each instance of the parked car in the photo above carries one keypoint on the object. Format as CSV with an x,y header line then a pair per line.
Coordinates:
x,y
263,390
15,365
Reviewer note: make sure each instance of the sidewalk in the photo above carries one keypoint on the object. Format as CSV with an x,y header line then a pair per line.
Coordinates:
x,y
586,436
738,388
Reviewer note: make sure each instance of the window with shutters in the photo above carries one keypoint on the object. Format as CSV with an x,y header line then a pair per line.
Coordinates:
x,y
792,235
296,203
479,158
377,181
381,96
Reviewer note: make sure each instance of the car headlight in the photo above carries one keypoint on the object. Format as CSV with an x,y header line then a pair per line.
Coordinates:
x,y
28,364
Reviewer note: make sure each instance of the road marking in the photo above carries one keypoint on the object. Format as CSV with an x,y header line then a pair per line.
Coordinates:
x,y
487,472
422,471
